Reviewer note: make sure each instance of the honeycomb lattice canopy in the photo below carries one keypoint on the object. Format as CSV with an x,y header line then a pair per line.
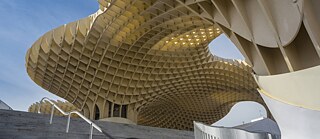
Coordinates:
x,y
147,61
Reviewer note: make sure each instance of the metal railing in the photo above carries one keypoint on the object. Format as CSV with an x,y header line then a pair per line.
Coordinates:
x,y
54,106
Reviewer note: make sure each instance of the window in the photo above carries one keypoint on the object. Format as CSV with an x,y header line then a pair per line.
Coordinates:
x,y
97,113
124,111
110,109
116,110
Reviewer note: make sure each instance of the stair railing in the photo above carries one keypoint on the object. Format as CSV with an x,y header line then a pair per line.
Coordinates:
x,y
54,106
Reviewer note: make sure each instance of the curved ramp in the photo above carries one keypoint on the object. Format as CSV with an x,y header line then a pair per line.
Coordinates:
x,y
263,129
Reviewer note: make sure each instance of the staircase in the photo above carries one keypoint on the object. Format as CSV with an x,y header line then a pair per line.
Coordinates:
x,y
24,125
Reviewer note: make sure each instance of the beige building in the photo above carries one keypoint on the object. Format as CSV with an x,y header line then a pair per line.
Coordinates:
x,y
149,60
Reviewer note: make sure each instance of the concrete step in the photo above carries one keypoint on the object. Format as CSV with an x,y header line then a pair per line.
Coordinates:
x,y
143,132
24,125
34,134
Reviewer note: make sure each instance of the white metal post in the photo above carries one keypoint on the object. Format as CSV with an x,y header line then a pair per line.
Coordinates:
x,y
68,123
91,131
39,106
52,110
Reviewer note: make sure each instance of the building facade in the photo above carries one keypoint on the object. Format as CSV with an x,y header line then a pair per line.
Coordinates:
x,y
4,106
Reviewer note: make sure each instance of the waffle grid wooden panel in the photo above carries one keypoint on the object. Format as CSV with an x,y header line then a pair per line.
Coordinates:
x,y
150,58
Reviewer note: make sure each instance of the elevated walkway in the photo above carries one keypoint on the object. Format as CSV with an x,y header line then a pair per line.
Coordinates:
x,y
24,125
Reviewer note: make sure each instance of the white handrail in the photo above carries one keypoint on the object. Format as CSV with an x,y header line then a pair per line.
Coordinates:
x,y
84,118
92,125
50,101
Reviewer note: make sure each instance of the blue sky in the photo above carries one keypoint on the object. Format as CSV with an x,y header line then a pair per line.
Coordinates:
x,y
22,22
